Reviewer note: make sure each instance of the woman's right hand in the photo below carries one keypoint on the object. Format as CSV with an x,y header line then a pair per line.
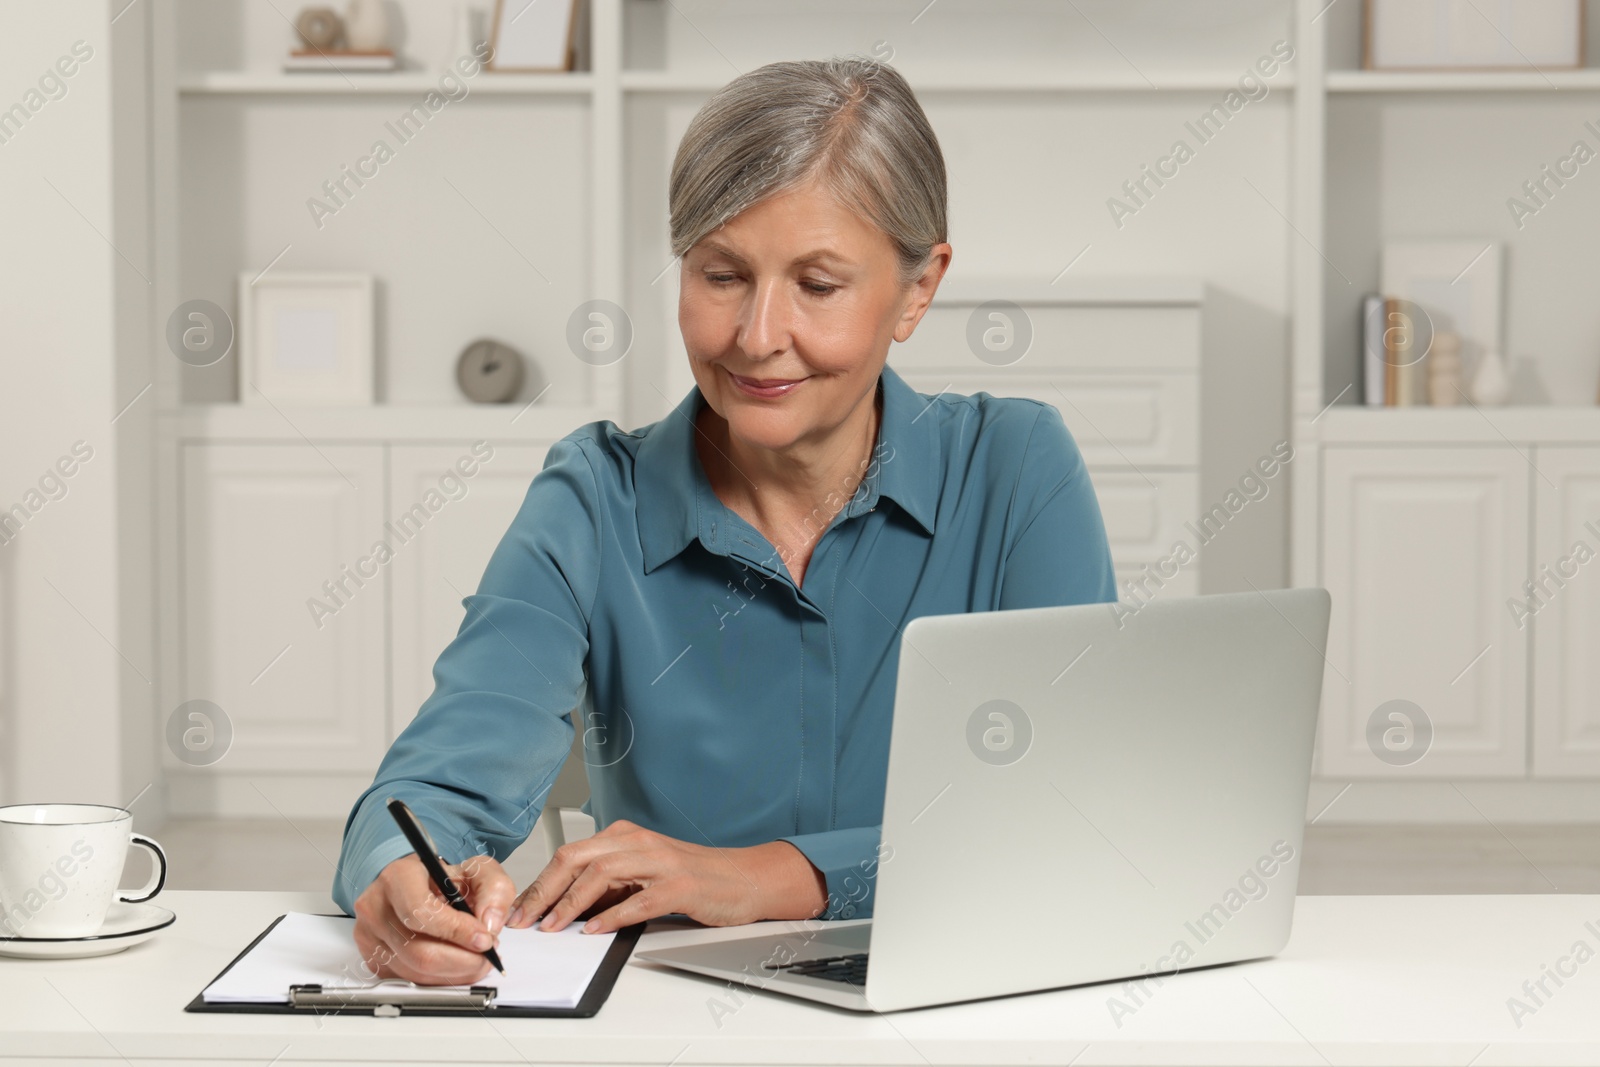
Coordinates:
x,y
406,929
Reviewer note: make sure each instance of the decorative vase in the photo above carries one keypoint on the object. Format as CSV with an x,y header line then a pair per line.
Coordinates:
x,y
1491,383
366,26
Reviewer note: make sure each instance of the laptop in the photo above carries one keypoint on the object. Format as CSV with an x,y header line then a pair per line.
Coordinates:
x,y
1075,794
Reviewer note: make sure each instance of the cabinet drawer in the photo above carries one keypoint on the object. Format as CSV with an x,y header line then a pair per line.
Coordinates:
x,y
1074,337
1146,516
1128,419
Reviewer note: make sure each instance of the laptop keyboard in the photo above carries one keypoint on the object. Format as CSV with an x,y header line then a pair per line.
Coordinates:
x,y
851,968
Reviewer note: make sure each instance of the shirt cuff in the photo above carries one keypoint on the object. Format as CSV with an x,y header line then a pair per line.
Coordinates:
x,y
848,860
372,841
356,874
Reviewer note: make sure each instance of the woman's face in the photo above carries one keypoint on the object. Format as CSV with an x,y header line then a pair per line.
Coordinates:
x,y
787,311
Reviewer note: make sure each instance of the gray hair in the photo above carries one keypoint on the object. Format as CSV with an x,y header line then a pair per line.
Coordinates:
x,y
850,121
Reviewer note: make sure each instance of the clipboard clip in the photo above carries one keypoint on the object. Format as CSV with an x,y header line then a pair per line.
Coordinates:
x,y
391,1001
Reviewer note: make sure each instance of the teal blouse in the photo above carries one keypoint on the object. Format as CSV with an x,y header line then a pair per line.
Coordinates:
x,y
720,703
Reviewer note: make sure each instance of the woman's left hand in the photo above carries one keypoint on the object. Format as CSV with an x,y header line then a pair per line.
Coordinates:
x,y
633,874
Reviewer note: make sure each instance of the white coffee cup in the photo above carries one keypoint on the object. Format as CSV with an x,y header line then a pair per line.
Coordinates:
x,y
60,864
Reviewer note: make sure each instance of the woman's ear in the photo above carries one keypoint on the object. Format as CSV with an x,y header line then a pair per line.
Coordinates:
x,y
920,295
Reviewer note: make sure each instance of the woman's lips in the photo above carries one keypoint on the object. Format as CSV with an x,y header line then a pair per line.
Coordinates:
x,y
765,387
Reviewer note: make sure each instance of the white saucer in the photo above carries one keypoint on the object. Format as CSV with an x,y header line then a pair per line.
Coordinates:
x,y
125,925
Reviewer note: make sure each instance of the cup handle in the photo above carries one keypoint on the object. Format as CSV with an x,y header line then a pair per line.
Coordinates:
x,y
158,876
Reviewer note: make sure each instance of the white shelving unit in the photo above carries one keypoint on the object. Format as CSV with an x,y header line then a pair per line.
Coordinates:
x,y
472,230
380,422
223,82
988,82
1424,522
1387,81
1459,425
268,82
256,502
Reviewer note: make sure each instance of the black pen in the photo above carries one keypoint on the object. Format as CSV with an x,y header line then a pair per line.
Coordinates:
x,y
412,828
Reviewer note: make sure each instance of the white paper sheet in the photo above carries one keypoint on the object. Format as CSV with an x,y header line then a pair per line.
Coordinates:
x,y
543,969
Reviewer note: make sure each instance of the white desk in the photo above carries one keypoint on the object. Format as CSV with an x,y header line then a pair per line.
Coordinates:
x,y
1368,980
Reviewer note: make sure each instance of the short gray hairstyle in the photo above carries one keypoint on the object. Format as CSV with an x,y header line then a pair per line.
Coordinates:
x,y
849,121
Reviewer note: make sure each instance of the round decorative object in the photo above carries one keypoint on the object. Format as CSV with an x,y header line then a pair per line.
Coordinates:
x,y
319,27
489,372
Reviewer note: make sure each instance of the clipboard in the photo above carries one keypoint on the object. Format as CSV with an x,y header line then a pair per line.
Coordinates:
x,y
394,997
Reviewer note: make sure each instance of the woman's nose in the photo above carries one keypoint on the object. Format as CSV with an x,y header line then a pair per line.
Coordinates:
x,y
764,329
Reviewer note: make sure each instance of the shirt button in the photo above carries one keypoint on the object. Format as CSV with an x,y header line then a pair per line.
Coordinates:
x,y
847,911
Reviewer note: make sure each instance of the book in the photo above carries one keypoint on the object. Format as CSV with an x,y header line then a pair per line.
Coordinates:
x,y
1391,352
342,62
1372,361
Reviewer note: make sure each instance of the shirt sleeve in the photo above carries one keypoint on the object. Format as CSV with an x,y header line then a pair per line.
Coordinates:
x,y
848,860
483,751
1060,555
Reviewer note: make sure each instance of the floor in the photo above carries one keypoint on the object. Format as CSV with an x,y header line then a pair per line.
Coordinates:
x,y
250,854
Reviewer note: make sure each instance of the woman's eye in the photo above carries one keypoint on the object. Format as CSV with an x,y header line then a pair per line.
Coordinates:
x,y
815,288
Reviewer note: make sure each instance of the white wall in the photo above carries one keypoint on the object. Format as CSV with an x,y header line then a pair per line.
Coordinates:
x,y
76,659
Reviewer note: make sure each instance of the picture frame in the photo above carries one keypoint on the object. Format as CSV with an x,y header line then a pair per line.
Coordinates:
x,y
533,37
1458,283
306,337
1473,35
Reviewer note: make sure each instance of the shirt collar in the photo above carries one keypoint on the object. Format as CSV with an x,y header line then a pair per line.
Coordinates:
x,y
676,504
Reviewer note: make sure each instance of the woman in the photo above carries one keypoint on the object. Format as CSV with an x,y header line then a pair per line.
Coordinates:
x,y
727,586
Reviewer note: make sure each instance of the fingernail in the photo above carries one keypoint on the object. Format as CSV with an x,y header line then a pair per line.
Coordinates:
x,y
591,926
548,921
481,941
492,919
516,916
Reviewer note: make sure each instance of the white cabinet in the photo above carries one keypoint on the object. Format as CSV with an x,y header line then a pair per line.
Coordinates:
x,y
1562,610
1122,365
444,557
319,584
1146,512
269,532
1426,523
1422,547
